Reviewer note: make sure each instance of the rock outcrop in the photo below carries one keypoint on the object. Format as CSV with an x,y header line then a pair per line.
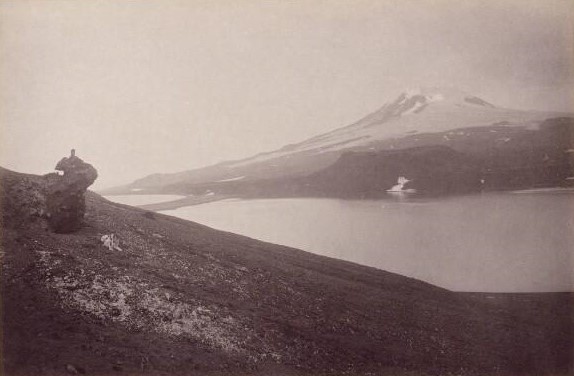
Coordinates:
x,y
65,195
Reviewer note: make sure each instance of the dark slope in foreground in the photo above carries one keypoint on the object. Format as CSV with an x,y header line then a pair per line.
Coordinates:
x,y
181,298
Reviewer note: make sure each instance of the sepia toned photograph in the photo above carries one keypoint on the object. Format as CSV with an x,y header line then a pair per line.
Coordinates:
x,y
287,187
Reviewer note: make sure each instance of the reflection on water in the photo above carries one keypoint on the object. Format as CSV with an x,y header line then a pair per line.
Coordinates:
x,y
492,242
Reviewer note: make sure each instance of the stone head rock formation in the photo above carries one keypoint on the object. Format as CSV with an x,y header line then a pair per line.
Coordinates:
x,y
65,198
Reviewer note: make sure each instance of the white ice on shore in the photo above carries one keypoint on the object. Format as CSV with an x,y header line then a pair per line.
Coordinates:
x,y
400,186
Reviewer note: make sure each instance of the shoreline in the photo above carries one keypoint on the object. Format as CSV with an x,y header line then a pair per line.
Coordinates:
x,y
186,201
198,200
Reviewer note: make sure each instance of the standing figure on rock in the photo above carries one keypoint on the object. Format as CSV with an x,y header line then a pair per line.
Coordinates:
x,y
66,202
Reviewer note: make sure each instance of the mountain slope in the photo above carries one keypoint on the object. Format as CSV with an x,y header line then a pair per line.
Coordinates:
x,y
181,298
415,111
413,117
497,157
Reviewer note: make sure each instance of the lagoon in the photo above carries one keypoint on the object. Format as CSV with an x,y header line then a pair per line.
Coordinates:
x,y
495,242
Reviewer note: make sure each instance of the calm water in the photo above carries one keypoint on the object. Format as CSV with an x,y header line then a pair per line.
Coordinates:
x,y
500,242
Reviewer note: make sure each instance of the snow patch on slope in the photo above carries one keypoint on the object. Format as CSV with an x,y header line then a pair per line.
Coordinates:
x,y
417,106
230,179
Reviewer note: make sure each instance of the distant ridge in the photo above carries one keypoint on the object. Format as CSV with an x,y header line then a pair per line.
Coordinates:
x,y
407,121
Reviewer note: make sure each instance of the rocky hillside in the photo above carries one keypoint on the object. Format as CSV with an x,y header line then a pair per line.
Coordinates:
x,y
429,170
177,297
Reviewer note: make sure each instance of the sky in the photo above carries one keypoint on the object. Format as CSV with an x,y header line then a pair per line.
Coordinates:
x,y
139,87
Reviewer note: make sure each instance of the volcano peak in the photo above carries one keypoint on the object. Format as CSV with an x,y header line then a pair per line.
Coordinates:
x,y
441,94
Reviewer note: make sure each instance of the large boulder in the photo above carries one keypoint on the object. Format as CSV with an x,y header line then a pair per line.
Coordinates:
x,y
65,199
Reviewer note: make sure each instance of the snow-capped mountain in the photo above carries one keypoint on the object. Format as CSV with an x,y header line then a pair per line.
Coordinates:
x,y
419,110
406,121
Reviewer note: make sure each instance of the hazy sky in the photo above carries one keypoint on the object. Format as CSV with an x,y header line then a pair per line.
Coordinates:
x,y
160,86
